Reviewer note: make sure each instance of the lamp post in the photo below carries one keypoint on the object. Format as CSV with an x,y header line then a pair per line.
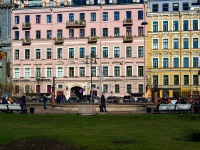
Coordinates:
x,y
92,60
144,23
37,77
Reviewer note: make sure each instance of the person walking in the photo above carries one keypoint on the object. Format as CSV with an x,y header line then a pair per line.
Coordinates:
x,y
58,98
45,101
63,99
103,102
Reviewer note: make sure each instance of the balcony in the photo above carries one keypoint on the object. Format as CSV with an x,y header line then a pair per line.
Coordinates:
x,y
128,22
76,24
127,38
26,26
26,41
92,39
58,40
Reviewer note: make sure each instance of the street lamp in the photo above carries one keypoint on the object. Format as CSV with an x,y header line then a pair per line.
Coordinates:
x,y
92,60
144,23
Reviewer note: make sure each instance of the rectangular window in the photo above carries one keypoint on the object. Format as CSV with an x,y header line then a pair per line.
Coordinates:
x,y
116,52
186,6
93,71
93,32
38,18
195,24
27,53
195,62
59,17
155,26
176,62
165,63
27,34
38,34
105,88
93,16
16,35
165,43
165,80
185,25
116,15
105,16
82,32
195,43
37,54
71,71
27,88
17,20
60,72
128,51
140,88
155,80
128,31
140,51
16,54
116,71
71,17
27,18
175,25
186,62
17,73
93,52
186,79
185,43
27,72
105,32
71,52
155,43
16,89
175,6
49,35
195,80
59,34
176,43
176,79
49,19
140,31
155,8
128,15
82,16
82,71
116,32
128,88
49,72
140,14
105,71
140,71
59,53
49,53
165,7
155,62
117,88
105,52
71,33
38,72
165,25
129,71
82,52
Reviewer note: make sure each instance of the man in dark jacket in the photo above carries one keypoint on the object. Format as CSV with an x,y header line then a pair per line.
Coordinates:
x,y
45,101
103,102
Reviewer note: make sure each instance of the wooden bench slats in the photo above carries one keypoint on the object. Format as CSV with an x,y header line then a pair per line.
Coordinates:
x,y
174,107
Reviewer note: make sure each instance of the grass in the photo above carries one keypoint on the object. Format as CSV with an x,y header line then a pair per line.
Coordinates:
x,y
106,132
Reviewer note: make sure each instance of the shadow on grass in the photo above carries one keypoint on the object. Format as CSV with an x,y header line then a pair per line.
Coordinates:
x,y
193,137
38,144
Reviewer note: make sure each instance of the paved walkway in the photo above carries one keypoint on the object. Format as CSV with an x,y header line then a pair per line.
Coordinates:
x,y
50,110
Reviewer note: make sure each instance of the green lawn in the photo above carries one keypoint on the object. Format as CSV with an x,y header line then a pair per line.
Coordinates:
x,y
125,131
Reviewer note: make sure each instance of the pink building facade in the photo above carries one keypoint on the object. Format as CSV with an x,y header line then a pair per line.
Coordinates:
x,y
66,45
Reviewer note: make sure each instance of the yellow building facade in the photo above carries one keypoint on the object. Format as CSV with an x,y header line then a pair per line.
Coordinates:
x,y
173,53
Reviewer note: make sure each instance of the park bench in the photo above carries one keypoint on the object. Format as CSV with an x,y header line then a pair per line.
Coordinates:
x,y
4,107
14,107
166,107
183,107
